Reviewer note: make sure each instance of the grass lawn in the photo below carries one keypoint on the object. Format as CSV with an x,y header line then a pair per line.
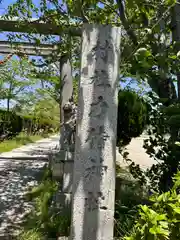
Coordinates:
x,y
18,141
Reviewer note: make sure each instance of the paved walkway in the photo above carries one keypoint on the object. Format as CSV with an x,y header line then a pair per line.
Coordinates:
x,y
22,168
137,153
39,149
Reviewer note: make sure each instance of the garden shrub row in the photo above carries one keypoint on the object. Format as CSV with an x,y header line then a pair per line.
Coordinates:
x,y
12,124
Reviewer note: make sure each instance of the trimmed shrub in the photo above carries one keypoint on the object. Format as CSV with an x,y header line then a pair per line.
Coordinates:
x,y
132,116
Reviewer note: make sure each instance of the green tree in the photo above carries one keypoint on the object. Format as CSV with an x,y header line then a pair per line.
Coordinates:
x,y
50,82
16,81
46,111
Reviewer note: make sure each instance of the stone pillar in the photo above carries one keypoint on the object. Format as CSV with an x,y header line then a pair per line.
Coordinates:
x,y
62,162
93,190
66,92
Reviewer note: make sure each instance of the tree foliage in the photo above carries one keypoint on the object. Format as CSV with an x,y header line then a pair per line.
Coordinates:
x,y
15,81
161,219
147,50
33,109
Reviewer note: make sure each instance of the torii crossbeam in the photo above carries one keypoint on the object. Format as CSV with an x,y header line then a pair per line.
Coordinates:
x,y
27,48
36,27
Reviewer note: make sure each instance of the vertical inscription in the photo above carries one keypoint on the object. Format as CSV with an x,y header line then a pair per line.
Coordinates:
x,y
94,201
94,160
99,108
101,50
100,78
93,172
97,137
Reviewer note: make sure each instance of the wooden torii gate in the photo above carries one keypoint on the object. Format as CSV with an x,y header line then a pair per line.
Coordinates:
x,y
35,27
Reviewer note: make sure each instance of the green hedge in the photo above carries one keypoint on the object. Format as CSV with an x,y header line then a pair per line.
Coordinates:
x,y
132,116
12,124
9,122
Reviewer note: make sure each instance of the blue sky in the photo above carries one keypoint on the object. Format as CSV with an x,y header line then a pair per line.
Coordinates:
x,y
3,8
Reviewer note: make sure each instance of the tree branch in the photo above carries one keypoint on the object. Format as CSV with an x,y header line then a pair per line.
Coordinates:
x,y
129,30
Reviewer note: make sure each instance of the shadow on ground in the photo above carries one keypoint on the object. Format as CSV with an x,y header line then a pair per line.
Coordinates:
x,y
14,182
16,176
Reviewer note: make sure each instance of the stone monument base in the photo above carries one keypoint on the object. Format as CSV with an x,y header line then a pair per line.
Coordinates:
x,y
62,170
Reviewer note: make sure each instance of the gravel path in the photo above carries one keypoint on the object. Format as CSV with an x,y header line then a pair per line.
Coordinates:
x,y
22,168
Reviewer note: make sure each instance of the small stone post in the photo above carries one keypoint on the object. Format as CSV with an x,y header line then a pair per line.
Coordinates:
x,y
93,190
66,93
62,162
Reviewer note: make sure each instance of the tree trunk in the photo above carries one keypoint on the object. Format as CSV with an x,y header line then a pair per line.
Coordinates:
x,y
8,104
166,87
161,83
42,84
175,21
